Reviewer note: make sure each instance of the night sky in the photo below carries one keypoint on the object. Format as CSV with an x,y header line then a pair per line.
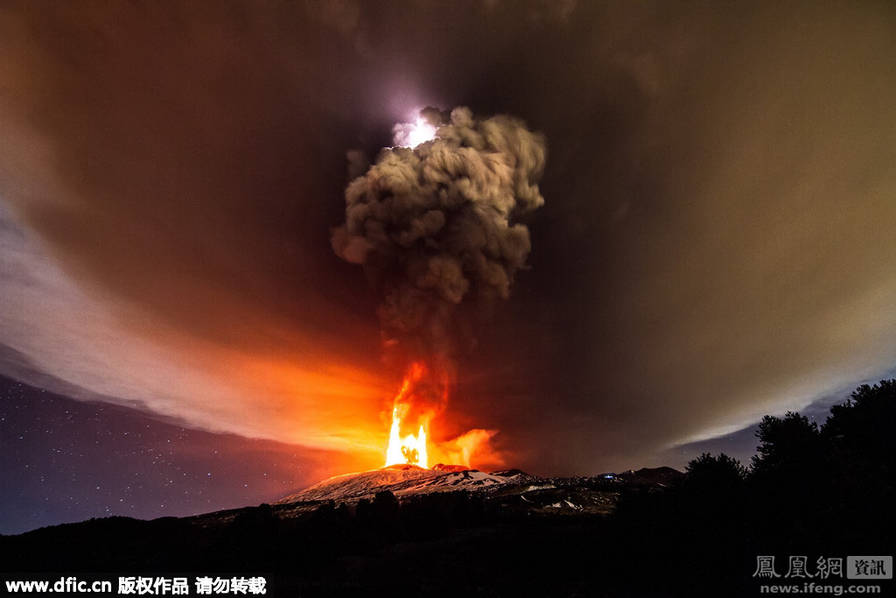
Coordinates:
x,y
65,460
715,242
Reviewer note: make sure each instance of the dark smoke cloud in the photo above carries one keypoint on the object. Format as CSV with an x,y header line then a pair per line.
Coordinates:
x,y
437,226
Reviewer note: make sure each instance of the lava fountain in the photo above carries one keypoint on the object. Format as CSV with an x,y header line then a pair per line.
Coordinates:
x,y
423,396
407,411
410,449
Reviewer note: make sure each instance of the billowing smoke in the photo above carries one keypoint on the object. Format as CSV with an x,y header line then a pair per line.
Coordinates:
x,y
436,228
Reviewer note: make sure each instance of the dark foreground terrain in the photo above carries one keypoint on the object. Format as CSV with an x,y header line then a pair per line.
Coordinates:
x,y
814,492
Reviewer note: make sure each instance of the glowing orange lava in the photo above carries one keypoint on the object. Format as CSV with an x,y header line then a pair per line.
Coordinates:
x,y
409,449
412,448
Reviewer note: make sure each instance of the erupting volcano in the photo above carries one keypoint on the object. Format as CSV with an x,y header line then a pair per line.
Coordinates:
x,y
435,223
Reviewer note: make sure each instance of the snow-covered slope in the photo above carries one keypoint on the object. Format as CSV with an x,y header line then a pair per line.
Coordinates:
x,y
402,480
511,490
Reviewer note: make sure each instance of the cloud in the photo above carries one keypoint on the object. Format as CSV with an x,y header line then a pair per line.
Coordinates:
x,y
716,242
95,348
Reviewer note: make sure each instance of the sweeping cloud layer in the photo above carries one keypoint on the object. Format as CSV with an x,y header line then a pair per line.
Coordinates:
x,y
717,242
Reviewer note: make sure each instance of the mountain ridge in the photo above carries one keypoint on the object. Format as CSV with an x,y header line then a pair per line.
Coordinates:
x,y
404,480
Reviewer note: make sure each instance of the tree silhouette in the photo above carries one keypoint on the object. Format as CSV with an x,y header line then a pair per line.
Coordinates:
x,y
718,472
713,487
788,446
861,430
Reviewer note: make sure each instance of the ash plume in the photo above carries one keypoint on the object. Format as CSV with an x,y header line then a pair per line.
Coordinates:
x,y
436,228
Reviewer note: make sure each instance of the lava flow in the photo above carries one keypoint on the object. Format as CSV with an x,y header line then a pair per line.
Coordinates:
x,y
411,448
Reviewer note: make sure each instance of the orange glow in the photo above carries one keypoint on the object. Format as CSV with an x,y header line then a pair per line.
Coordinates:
x,y
406,449
471,445
420,401
412,448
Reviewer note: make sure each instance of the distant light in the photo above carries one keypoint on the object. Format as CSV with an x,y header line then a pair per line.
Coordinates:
x,y
413,134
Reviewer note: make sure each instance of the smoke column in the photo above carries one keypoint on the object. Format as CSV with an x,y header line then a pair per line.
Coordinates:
x,y
435,228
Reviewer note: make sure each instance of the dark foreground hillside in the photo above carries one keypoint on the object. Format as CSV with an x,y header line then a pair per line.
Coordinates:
x,y
814,492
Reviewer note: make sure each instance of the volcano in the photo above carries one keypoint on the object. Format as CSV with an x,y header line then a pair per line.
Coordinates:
x,y
445,528
510,489
403,480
